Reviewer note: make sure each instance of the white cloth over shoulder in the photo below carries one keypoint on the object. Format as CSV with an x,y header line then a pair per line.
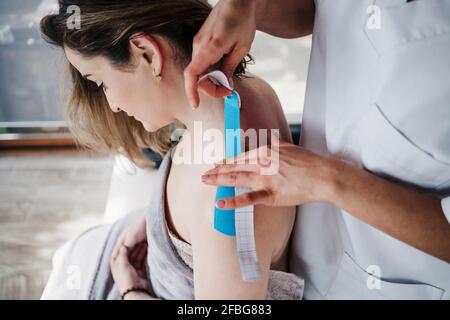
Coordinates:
x,y
81,267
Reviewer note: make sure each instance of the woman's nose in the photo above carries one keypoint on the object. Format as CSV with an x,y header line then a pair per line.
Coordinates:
x,y
116,109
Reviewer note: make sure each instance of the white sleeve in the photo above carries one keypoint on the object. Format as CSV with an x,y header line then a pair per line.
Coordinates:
x,y
446,207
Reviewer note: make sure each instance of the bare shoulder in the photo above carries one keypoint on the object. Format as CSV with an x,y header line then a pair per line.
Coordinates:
x,y
261,107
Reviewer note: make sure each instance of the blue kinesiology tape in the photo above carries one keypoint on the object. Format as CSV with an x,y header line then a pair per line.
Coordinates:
x,y
236,223
224,220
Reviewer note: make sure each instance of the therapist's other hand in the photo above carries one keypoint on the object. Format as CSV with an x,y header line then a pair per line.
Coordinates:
x,y
302,177
226,37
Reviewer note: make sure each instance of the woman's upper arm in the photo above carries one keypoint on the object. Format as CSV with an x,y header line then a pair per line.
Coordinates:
x,y
216,265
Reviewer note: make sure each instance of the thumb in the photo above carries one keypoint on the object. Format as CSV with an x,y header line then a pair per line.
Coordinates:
x,y
213,90
122,257
229,64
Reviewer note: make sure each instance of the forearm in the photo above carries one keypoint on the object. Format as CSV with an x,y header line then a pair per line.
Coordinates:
x,y
285,18
405,214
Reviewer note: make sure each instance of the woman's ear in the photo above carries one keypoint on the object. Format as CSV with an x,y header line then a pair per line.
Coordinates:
x,y
146,47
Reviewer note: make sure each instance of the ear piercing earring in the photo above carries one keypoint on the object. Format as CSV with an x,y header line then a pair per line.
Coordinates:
x,y
158,77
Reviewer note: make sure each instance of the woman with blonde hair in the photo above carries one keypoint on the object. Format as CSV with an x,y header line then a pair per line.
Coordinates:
x,y
126,65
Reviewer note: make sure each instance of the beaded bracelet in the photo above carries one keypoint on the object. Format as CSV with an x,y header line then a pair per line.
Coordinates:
x,y
134,289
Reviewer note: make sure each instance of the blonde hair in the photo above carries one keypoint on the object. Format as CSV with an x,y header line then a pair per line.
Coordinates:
x,y
106,27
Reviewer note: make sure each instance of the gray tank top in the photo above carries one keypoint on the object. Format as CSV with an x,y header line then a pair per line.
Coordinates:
x,y
170,258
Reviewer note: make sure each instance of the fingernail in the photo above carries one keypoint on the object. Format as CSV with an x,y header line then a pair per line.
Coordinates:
x,y
205,178
221,203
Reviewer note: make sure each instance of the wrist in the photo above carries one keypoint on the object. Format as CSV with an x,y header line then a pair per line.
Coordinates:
x,y
259,8
332,180
252,8
137,295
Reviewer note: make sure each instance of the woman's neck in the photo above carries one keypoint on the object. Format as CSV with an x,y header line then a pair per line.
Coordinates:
x,y
209,115
204,128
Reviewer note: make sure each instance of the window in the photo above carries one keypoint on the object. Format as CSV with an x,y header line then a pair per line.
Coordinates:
x,y
31,104
30,73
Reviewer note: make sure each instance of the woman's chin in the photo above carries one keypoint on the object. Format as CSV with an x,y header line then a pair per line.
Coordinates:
x,y
149,128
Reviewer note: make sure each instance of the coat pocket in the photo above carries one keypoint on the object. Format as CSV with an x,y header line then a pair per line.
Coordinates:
x,y
406,23
354,282
387,151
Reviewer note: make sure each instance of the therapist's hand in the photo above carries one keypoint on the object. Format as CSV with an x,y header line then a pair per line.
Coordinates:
x,y
302,177
226,37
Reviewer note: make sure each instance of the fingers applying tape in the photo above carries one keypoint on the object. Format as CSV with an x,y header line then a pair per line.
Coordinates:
x,y
219,78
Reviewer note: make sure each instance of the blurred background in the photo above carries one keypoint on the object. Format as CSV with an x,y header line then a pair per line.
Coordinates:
x,y
50,191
